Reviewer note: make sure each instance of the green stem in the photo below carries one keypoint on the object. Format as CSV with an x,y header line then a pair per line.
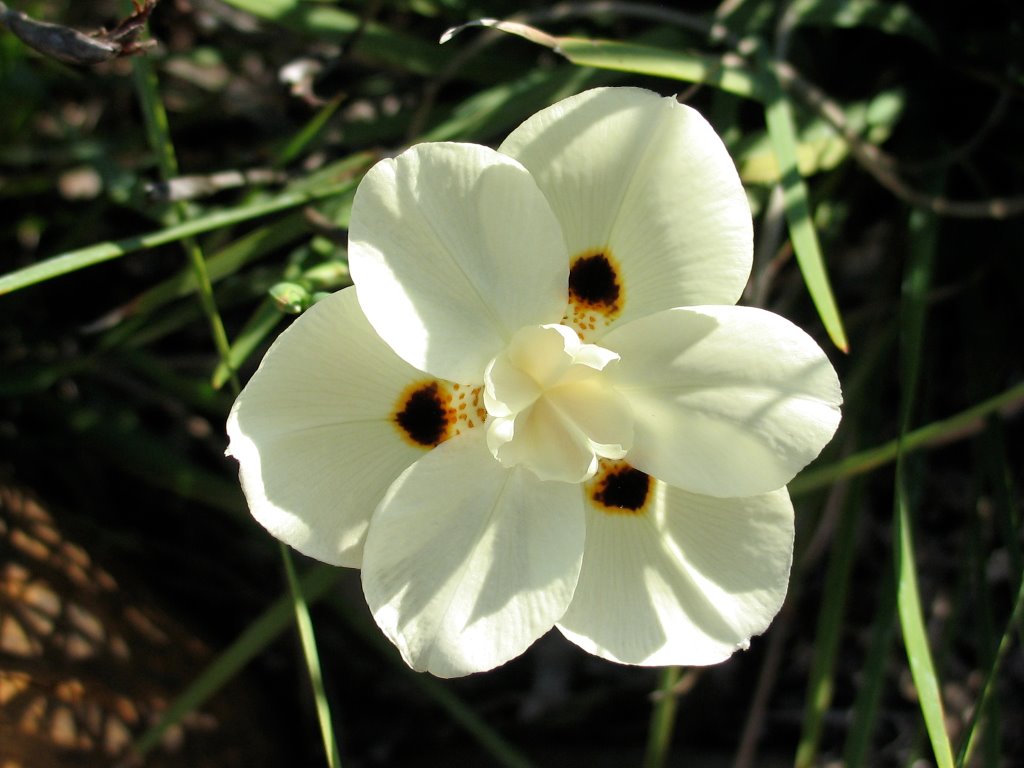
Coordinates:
x,y
663,718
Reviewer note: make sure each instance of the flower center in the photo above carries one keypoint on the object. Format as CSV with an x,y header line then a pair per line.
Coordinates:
x,y
552,409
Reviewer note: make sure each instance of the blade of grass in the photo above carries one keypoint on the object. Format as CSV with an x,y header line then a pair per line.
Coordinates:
x,y
377,43
829,630
72,261
305,624
466,717
160,140
1012,628
226,262
264,320
891,18
994,457
960,425
315,583
637,58
923,237
866,705
782,132
663,719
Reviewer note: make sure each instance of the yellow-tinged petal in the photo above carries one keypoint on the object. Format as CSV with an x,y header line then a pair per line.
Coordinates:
x,y
727,401
684,579
468,563
452,249
317,432
650,203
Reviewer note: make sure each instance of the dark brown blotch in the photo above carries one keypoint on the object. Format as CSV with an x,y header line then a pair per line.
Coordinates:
x,y
424,414
622,488
594,281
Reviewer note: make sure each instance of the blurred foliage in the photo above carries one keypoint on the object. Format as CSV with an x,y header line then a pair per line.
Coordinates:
x,y
897,127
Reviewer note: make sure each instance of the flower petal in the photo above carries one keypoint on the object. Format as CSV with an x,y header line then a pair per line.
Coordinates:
x,y
467,563
727,401
314,433
687,581
453,248
645,181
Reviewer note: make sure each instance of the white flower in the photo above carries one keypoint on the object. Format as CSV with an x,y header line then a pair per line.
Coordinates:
x,y
538,407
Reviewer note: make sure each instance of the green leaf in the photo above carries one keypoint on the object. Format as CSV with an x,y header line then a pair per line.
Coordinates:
x,y
272,622
72,261
782,130
891,18
639,58
820,684
263,321
312,656
820,147
937,433
923,236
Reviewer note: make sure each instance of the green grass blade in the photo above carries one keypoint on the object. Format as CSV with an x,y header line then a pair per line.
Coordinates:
x,y
866,705
829,630
663,719
305,625
915,639
377,43
891,18
72,261
226,262
638,58
782,131
466,717
160,139
264,320
257,636
658,62
923,236
937,433
987,690
301,140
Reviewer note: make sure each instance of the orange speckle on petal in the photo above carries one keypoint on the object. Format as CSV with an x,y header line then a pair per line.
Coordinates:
x,y
423,413
596,291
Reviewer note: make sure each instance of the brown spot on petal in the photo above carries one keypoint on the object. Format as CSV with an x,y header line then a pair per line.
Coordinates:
x,y
424,414
596,291
620,489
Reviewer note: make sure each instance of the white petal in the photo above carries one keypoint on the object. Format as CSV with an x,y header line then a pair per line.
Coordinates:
x,y
647,180
467,563
688,581
727,401
600,412
313,431
545,441
453,248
